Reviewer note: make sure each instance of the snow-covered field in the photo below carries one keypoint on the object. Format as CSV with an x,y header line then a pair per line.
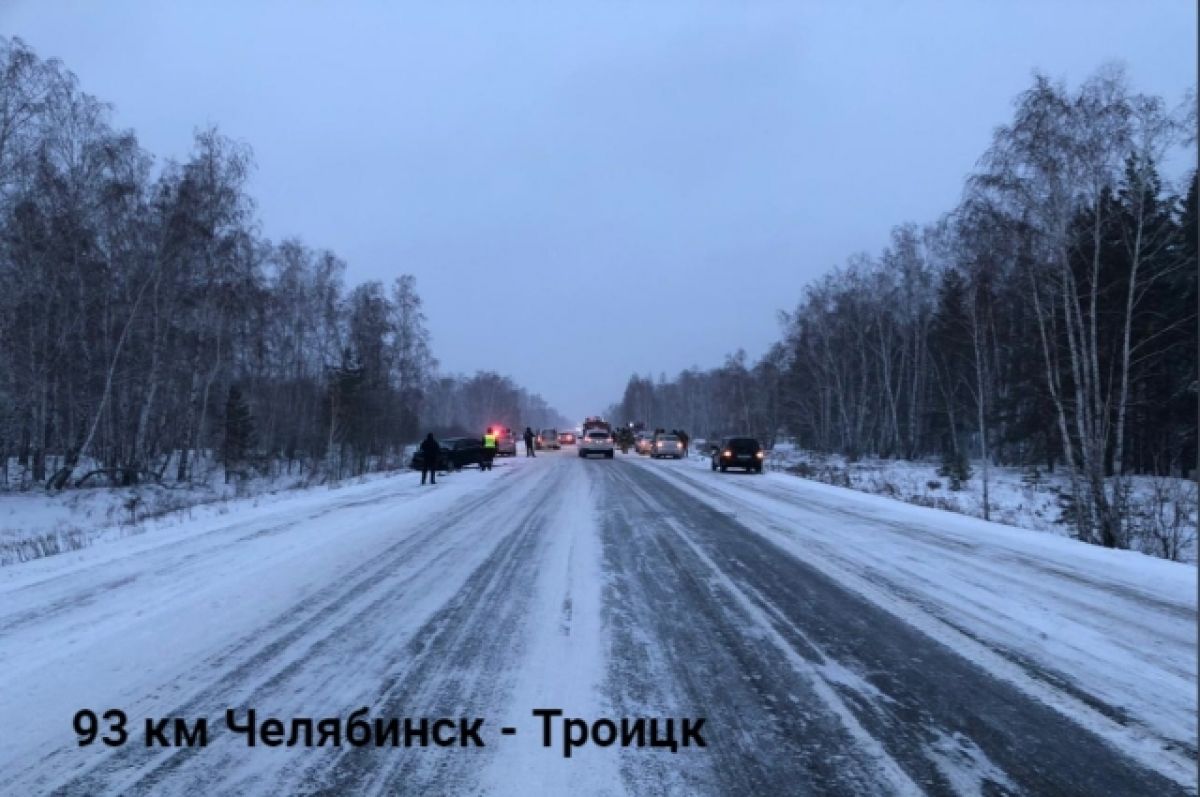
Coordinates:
x,y
37,522
836,642
1017,498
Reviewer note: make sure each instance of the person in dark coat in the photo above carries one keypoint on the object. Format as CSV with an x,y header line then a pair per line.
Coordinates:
x,y
683,440
430,451
529,442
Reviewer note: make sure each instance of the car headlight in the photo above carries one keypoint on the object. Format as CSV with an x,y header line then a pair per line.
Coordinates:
x,y
758,454
727,453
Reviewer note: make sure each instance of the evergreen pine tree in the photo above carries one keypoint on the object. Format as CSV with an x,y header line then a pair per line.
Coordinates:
x,y
955,466
240,435
950,339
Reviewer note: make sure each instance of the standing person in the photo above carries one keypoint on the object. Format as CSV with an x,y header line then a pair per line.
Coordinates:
x,y
489,449
529,442
430,451
683,440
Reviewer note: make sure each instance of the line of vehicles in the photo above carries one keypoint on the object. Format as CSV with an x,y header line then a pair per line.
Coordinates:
x,y
595,437
733,452
598,438
744,453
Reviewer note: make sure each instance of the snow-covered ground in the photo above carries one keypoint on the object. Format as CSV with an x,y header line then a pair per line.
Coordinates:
x,y
836,642
1017,498
36,522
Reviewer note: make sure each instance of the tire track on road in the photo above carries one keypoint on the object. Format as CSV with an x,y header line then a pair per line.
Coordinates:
x,y
280,659
931,708
1048,682
684,647
460,665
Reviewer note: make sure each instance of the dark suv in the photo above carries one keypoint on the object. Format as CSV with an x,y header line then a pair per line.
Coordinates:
x,y
456,454
738,452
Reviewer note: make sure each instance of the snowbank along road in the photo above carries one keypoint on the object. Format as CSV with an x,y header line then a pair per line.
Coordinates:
x,y
833,642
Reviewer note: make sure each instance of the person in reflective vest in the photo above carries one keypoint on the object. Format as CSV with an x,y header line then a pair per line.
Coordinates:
x,y
489,449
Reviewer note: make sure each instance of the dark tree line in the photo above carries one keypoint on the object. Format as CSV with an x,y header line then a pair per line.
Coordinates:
x,y
1049,321
729,399
465,405
148,330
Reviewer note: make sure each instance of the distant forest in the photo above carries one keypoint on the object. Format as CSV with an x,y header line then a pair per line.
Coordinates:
x,y
147,329
1047,322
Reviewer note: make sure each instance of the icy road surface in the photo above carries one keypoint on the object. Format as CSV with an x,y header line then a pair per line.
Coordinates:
x,y
834,642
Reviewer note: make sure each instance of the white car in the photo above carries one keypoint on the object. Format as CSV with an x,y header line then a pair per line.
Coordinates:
x,y
666,445
596,441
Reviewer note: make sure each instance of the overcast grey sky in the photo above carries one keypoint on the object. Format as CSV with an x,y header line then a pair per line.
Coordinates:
x,y
588,190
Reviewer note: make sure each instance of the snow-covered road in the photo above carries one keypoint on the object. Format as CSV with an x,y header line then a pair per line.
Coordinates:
x,y
834,642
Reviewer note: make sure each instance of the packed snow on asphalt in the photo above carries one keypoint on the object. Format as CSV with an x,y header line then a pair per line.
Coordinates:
x,y
833,643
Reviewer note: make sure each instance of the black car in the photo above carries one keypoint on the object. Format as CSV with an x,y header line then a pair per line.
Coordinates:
x,y
738,452
456,454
